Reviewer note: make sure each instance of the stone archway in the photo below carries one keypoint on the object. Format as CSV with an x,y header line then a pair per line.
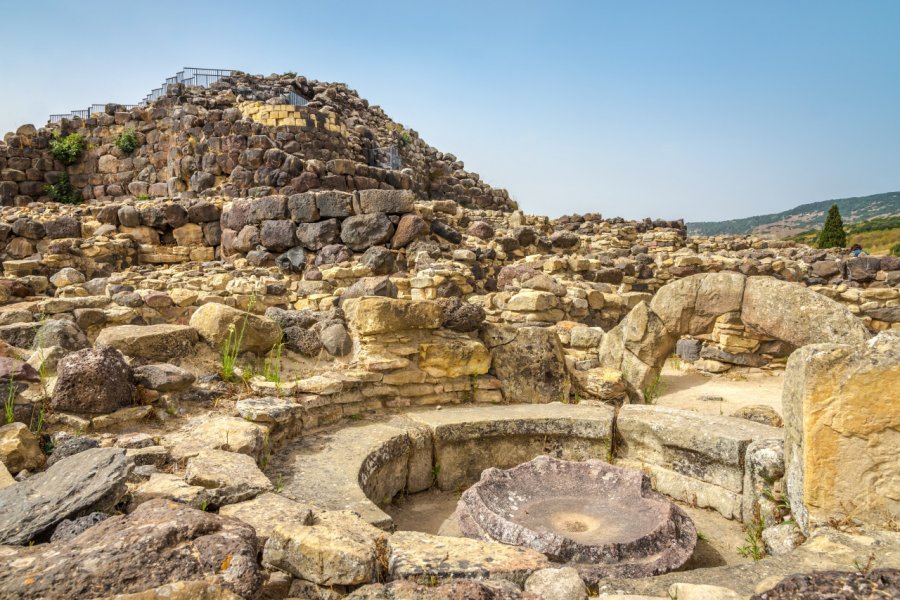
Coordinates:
x,y
639,345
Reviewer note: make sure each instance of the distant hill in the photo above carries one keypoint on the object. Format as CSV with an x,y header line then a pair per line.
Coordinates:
x,y
804,217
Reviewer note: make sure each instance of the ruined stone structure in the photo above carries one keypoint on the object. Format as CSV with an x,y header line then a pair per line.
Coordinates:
x,y
259,331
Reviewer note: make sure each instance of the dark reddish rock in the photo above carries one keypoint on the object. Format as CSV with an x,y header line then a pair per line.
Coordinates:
x,y
410,228
379,259
460,315
277,236
879,584
302,208
333,254
445,231
564,240
160,542
605,520
360,232
315,236
392,202
93,381
481,229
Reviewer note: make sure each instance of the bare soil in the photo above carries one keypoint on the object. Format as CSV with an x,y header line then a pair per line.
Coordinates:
x,y
691,390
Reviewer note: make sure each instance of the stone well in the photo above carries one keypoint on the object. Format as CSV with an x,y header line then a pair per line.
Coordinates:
x,y
603,518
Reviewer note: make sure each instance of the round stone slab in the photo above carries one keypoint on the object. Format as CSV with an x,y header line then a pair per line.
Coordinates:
x,y
605,519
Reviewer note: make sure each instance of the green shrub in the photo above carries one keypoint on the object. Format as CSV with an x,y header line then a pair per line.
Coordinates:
x,y
833,234
895,249
67,149
62,191
127,141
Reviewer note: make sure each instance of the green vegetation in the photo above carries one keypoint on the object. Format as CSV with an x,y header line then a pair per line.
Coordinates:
x,y
62,191
127,141
67,149
876,236
854,210
833,234
272,364
10,402
754,548
232,346
654,389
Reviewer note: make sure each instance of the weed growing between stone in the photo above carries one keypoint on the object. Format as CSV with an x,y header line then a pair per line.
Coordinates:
x,y
272,364
654,389
754,548
232,346
10,402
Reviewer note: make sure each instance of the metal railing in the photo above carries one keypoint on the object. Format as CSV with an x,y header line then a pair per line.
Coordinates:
x,y
296,99
387,157
189,76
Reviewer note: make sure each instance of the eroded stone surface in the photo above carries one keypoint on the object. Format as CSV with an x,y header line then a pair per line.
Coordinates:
x,y
161,542
590,513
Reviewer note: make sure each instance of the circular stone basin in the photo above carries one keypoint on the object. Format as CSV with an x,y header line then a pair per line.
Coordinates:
x,y
605,519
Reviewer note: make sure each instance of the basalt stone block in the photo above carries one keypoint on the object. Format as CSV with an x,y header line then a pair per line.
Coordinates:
x,y
392,202
334,204
315,236
203,212
688,350
364,231
302,208
277,236
93,381
63,227
445,231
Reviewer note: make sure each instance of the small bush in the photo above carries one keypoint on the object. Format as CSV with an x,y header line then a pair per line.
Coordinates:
x,y
895,249
62,191
127,141
67,149
405,138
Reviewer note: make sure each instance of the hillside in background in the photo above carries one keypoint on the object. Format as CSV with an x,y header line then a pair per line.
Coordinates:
x,y
804,218
876,236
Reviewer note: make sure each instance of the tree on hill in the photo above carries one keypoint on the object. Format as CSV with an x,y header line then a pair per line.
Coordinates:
x,y
833,234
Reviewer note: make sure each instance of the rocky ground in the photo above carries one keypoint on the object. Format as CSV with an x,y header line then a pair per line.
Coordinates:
x,y
223,372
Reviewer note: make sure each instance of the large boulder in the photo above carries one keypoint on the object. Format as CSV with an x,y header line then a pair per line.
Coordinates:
x,y
93,381
530,363
339,549
267,511
374,314
155,342
392,202
841,415
161,542
64,334
798,315
93,480
360,232
214,321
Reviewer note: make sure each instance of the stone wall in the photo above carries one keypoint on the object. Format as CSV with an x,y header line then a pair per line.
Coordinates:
x,y
842,418
238,138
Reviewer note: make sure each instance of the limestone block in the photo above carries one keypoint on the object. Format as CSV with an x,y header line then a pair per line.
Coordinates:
x,y
19,448
335,551
213,322
842,418
155,342
228,477
454,357
374,314
267,511
795,314
424,558
529,361
532,300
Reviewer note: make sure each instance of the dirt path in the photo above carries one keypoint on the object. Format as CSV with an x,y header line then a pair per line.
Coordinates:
x,y
694,391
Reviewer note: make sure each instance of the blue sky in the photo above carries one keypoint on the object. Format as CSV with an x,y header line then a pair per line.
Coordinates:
x,y
705,110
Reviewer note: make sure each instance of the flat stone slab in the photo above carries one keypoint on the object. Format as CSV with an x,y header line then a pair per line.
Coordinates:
x,y
605,517
427,558
690,456
826,549
324,469
93,480
155,342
